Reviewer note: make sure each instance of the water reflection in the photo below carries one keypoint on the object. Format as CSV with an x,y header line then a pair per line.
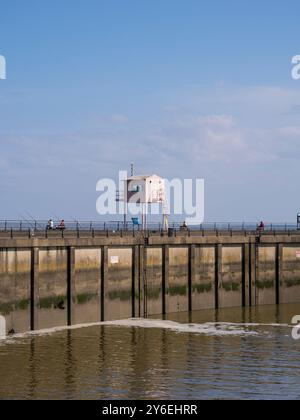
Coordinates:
x,y
158,363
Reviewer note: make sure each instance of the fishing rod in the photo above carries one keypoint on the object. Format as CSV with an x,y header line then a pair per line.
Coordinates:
x,y
56,217
34,220
31,226
77,224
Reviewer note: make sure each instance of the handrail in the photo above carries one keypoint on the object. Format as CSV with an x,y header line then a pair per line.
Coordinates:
x,y
116,226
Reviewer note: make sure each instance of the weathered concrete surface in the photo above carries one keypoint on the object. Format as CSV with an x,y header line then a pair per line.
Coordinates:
x,y
154,281
178,280
230,284
118,287
203,286
290,280
15,269
55,282
52,288
265,285
87,304
119,241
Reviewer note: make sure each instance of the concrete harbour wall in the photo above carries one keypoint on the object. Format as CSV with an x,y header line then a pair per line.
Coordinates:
x,y
48,283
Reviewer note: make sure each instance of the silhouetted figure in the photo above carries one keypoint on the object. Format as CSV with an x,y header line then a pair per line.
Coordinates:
x,y
60,305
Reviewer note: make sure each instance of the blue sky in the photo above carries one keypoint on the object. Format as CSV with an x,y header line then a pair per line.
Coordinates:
x,y
183,88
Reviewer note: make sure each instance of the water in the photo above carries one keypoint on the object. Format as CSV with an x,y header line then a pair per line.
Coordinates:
x,y
231,353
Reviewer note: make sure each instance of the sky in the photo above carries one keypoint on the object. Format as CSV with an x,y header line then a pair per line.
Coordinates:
x,y
183,88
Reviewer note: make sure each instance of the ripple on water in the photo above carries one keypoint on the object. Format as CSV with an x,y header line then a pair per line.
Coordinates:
x,y
154,359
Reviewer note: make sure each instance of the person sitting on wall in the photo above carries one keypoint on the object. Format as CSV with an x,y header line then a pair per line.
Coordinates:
x,y
50,225
62,225
184,226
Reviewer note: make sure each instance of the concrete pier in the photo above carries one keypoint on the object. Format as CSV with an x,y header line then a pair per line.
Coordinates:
x,y
60,281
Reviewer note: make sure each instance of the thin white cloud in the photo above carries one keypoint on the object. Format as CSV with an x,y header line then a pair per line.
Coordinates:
x,y
229,138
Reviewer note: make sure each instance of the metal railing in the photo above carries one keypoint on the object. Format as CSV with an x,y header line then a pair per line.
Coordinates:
x,y
117,226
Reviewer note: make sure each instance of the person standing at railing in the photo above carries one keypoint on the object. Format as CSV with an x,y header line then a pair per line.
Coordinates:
x,y
261,226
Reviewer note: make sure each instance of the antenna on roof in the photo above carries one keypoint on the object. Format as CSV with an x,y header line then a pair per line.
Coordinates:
x,y
132,169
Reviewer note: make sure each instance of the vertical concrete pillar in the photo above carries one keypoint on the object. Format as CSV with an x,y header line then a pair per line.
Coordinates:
x,y
257,263
218,272
35,261
253,272
145,286
104,279
165,278
246,275
192,273
279,261
141,281
71,295
135,282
